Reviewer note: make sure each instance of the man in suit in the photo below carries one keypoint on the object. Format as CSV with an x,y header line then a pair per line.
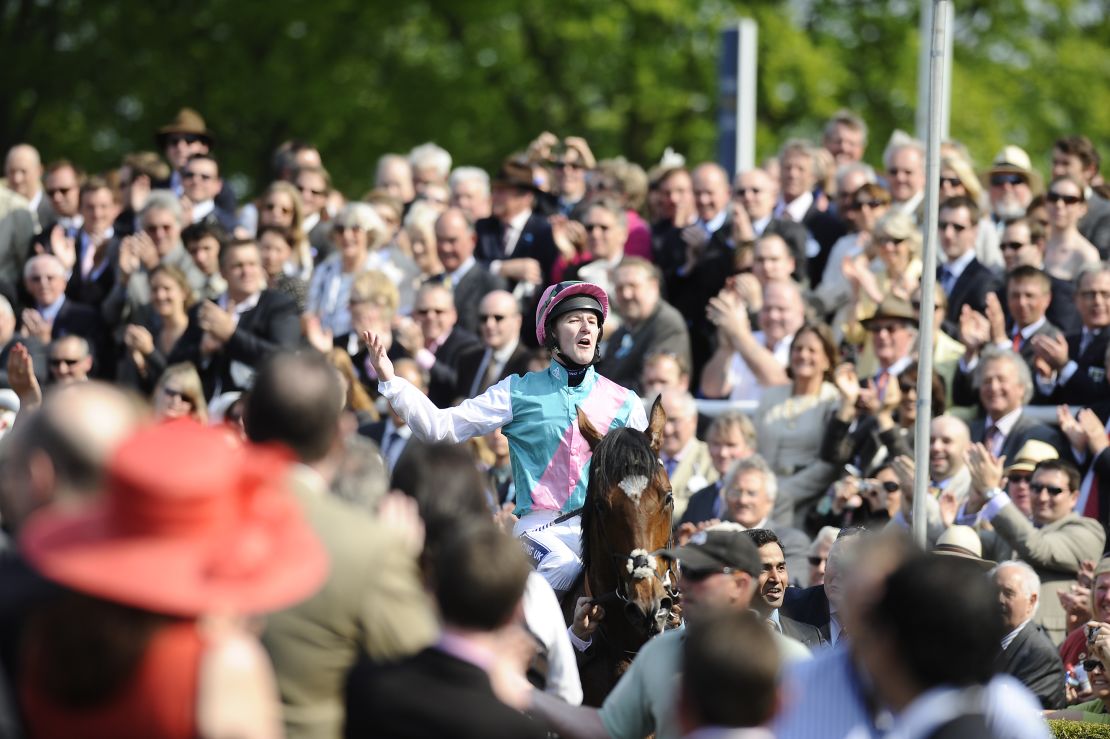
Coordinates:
x,y
1077,156
963,278
749,492
184,137
756,192
468,280
1027,652
478,577
202,183
905,170
1054,543
822,605
1073,371
648,324
773,582
23,171
798,180
1023,244
93,252
1005,386
501,353
62,184
685,458
372,601
52,316
228,338
392,434
1028,292
731,437
442,342
515,243
314,184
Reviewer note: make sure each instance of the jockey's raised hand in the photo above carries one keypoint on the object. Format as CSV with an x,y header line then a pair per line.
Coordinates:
x,y
382,364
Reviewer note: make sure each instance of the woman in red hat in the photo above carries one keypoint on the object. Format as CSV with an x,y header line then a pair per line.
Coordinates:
x,y
190,533
539,414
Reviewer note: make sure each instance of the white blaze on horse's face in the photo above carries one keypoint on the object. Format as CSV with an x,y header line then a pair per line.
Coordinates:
x,y
640,564
634,486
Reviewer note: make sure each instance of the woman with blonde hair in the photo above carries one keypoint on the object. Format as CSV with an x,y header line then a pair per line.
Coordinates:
x,y
281,205
152,332
180,393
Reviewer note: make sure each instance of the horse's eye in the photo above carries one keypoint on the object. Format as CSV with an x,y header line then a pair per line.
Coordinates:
x,y
669,500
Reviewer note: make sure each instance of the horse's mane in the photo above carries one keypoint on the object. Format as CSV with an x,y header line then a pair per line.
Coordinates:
x,y
621,453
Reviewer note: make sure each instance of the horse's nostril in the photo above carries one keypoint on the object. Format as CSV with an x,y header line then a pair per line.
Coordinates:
x,y
665,604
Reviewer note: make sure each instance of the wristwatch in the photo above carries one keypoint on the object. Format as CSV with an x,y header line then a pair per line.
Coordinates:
x,y
989,495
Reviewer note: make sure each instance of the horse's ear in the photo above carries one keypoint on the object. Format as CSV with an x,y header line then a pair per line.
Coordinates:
x,y
593,438
656,421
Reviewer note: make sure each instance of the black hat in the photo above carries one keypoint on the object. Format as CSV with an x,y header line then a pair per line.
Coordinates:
x,y
715,549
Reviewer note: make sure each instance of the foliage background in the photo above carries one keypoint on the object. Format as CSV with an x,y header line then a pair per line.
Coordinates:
x,y
91,80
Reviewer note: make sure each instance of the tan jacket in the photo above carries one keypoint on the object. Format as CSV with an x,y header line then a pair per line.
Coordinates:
x,y
1055,552
694,471
372,601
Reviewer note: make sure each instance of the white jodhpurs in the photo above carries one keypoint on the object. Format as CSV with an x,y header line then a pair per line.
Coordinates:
x,y
554,548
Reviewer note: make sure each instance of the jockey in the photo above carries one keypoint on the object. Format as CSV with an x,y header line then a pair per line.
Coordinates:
x,y
538,413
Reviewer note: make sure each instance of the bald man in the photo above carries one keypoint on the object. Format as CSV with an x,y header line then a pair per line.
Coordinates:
x,y
949,439
23,171
467,279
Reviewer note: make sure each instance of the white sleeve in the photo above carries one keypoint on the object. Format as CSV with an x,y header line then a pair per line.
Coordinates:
x,y
545,619
637,417
473,417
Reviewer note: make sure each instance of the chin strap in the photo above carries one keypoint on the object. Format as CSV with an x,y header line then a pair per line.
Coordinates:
x,y
575,372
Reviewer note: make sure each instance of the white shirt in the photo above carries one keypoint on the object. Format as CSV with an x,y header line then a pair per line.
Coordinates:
x,y
1004,425
1009,638
714,224
741,378
456,276
513,230
796,209
50,312
909,207
202,209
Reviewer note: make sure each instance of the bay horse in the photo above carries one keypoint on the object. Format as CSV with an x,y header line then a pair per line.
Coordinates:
x,y
626,516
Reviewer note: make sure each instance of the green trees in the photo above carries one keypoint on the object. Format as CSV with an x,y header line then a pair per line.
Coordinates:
x,y
91,81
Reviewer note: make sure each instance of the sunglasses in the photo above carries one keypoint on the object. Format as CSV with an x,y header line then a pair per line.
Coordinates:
x,y
891,240
869,204
52,191
62,361
1059,197
310,191
1090,665
950,181
172,394
1018,479
878,328
197,176
742,191
187,138
482,318
957,227
347,227
430,311
1012,245
590,227
815,561
998,180
1041,487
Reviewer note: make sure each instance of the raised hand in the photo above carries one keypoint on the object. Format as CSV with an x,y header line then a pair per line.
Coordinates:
x,y
63,247
985,468
21,377
996,319
1052,349
1069,425
1094,430
382,364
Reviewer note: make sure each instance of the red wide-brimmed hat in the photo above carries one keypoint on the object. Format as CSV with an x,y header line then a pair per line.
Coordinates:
x,y
188,523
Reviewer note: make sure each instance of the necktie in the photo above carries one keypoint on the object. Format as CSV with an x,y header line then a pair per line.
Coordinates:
x,y
946,279
1085,340
993,438
881,381
1017,341
491,374
669,464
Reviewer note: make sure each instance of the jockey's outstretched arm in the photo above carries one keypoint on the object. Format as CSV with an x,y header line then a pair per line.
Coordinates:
x,y
473,417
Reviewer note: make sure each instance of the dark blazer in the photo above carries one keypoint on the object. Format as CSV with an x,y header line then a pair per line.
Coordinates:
x,y
428,695
971,288
84,321
860,446
38,354
1034,660
1089,381
271,325
810,606
963,383
473,286
1061,312
225,219
1095,225
92,291
968,726
470,384
826,229
805,633
444,375
535,242
701,505
45,215
1023,430
663,330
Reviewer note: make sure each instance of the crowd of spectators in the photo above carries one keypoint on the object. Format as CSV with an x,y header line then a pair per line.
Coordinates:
x,y
775,314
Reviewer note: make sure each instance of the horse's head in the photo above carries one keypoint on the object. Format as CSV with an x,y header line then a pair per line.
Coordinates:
x,y
627,516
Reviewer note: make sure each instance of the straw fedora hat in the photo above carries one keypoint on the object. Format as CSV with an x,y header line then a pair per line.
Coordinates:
x,y
515,172
188,523
962,541
188,122
1032,453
